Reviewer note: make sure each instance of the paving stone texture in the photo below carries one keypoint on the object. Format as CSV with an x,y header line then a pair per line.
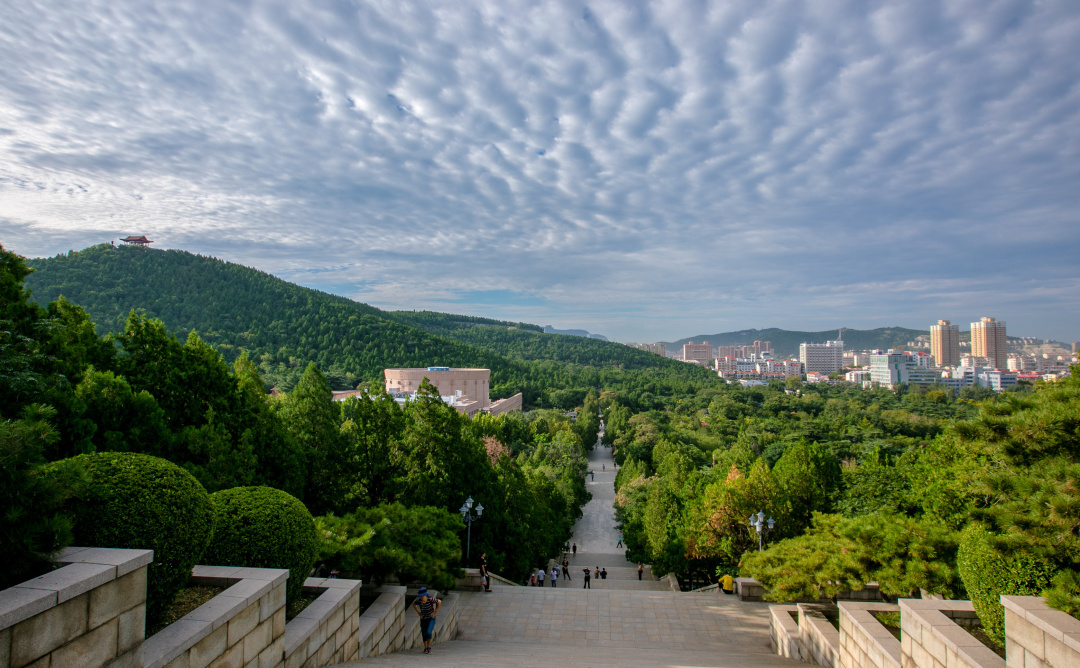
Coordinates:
x,y
619,622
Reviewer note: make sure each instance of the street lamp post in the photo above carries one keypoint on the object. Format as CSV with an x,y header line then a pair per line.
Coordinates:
x,y
758,522
469,517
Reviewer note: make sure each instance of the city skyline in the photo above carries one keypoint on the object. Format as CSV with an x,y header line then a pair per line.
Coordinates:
x,y
646,172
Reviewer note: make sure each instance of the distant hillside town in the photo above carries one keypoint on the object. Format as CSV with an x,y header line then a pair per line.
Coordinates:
x,y
989,358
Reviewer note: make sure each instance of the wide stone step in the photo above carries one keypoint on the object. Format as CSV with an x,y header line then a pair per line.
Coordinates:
x,y
474,654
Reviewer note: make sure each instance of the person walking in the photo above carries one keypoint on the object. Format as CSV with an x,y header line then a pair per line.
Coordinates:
x,y
484,577
588,575
427,606
640,569
566,567
540,577
574,549
620,541
555,575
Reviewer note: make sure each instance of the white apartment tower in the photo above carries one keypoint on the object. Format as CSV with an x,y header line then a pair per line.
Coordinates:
x,y
824,358
988,340
945,343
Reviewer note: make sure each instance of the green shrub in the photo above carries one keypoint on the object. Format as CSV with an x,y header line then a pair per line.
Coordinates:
x,y
263,527
988,573
143,502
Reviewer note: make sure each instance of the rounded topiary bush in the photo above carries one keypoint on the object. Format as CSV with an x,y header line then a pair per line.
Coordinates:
x,y
988,574
263,527
143,502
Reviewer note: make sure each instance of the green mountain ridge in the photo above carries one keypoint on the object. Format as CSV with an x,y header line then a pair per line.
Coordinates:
x,y
283,326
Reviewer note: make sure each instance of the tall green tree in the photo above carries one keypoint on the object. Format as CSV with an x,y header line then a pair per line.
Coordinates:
x,y
313,420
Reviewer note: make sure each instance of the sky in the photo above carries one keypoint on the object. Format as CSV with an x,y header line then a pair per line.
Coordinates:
x,y
643,170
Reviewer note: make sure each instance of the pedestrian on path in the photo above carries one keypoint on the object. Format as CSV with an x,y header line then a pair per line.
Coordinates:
x,y
484,572
588,575
593,474
427,606
540,577
640,569
575,549
603,573
596,573
566,567
555,575
532,579
620,541
727,584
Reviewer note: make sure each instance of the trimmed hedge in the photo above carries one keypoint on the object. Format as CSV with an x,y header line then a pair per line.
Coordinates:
x,y
988,574
143,502
263,527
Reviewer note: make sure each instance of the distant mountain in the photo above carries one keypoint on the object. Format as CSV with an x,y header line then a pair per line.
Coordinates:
x,y
785,343
548,329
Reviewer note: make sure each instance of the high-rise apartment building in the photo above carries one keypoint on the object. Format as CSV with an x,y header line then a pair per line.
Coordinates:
x,y
698,352
988,340
824,358
945,343
655,348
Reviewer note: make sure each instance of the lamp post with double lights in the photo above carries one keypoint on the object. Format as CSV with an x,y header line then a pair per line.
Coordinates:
x,y
758,523
469,517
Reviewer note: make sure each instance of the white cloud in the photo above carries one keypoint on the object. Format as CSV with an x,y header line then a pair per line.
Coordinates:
x,y
639,166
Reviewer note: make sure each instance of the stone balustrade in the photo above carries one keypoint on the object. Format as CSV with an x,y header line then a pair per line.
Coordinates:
x,y
89,613
1036,635
820,639
933,637
864,641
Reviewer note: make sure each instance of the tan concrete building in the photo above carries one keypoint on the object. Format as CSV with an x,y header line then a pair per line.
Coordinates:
x,y
988,340
945,343
473,383
698,352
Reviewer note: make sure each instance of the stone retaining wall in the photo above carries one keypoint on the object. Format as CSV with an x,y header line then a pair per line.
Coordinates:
x,y
244,623
784,632
864,641
381,627
327,630
445,623
820,639
1038,635
933,637
85,614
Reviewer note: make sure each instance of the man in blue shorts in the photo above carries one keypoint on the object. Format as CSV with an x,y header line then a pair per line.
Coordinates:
x,y
427,606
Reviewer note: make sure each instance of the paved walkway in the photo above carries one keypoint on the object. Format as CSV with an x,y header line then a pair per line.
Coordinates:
x,y
619,622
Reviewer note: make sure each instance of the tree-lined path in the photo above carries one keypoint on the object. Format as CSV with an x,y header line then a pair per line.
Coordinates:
x,y
619,622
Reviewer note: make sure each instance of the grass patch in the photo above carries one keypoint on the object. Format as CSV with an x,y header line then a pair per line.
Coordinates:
x,y
187,599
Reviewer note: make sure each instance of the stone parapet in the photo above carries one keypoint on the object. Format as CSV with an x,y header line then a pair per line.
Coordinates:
x,y
932,636
244,623
820,639
784,632
327,631
382,626
1038,635
87,613
864,641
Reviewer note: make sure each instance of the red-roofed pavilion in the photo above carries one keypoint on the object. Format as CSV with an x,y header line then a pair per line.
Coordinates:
x,y
137,241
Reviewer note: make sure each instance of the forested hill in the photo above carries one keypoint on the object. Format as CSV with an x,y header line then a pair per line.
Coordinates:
x,y
283,326
786,342
528,342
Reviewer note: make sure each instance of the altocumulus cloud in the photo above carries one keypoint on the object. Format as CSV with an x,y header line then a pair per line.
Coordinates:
x,y
647,170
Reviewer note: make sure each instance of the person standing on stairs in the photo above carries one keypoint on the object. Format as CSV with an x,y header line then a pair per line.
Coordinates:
x,y
566,567
588,575
427,606
484,572
640,569
575,549
540,577
555,575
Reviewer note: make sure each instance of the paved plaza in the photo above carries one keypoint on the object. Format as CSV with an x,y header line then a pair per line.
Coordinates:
x,y
619,622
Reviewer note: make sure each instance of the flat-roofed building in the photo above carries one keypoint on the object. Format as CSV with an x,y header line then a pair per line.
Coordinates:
x,y
945,343
471,383
823,358
988,340
698,352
